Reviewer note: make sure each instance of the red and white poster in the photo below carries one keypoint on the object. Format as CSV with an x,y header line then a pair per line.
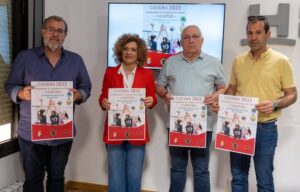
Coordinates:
x,y
188,119
51,110
126,117
237,123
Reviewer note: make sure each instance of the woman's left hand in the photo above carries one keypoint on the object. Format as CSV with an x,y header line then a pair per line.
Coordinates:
x,y
148,101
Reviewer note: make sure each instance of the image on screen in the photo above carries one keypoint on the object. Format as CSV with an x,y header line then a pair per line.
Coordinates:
x,y
160,25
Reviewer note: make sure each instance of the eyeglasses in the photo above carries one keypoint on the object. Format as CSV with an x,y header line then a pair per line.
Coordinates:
x,y
194,37
53,31
257,18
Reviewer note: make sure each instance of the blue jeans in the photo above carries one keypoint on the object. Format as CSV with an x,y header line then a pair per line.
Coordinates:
x,y
266,142
125,166
38,158
200,161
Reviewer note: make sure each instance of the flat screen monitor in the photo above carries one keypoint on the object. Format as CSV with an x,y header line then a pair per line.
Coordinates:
x,y
160,25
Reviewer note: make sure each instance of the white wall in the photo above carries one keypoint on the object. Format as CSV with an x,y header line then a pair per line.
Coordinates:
x,y
87,36
10,170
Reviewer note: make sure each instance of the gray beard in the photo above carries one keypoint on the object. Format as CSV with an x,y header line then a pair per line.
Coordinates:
x,y
51,46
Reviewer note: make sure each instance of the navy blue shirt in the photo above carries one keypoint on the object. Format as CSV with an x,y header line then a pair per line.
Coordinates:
x,y
32,65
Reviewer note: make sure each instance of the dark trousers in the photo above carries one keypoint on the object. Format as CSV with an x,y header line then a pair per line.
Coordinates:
x,y
40,158
266,142
200,163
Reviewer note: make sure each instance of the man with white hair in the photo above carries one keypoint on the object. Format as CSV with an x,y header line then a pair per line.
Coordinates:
x,y
191,73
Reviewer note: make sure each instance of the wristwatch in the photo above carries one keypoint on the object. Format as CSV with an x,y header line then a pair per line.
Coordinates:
x,y
275,105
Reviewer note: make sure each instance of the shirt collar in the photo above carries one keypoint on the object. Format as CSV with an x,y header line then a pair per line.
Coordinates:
x,y
263,55
41,51
122,70
201,56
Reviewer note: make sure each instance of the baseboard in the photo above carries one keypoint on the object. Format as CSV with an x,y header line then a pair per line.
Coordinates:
x,y
88,187
76,185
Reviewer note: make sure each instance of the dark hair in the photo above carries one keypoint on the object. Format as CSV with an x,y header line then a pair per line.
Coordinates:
x,y
152,37
55,18
254,19
123,40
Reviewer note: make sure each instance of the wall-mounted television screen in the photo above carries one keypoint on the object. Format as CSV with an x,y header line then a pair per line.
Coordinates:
x,y
160,25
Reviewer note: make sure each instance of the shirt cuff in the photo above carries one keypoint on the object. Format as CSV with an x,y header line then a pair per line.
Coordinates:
x,y
84,96
14,94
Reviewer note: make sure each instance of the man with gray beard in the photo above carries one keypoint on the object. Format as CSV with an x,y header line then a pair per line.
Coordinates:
x,y
50,62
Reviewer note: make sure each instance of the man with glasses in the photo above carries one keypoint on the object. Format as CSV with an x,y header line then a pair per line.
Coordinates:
x,y
266,74
191,73
50,62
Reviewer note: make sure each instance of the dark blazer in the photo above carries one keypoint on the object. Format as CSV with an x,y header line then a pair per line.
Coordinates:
x,y
143,79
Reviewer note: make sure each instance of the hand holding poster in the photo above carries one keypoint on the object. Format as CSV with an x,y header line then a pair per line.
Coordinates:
x,y
188,118
236,126
126,117
51,110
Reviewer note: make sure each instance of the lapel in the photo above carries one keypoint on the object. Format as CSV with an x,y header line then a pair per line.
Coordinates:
x,y
118,78
138,81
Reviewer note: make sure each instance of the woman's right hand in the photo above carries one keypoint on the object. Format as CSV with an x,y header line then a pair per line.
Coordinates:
x,y
105,104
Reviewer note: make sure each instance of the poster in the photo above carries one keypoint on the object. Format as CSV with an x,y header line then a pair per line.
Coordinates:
x,y
163,24
236,125
126,117
51,110
188,119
